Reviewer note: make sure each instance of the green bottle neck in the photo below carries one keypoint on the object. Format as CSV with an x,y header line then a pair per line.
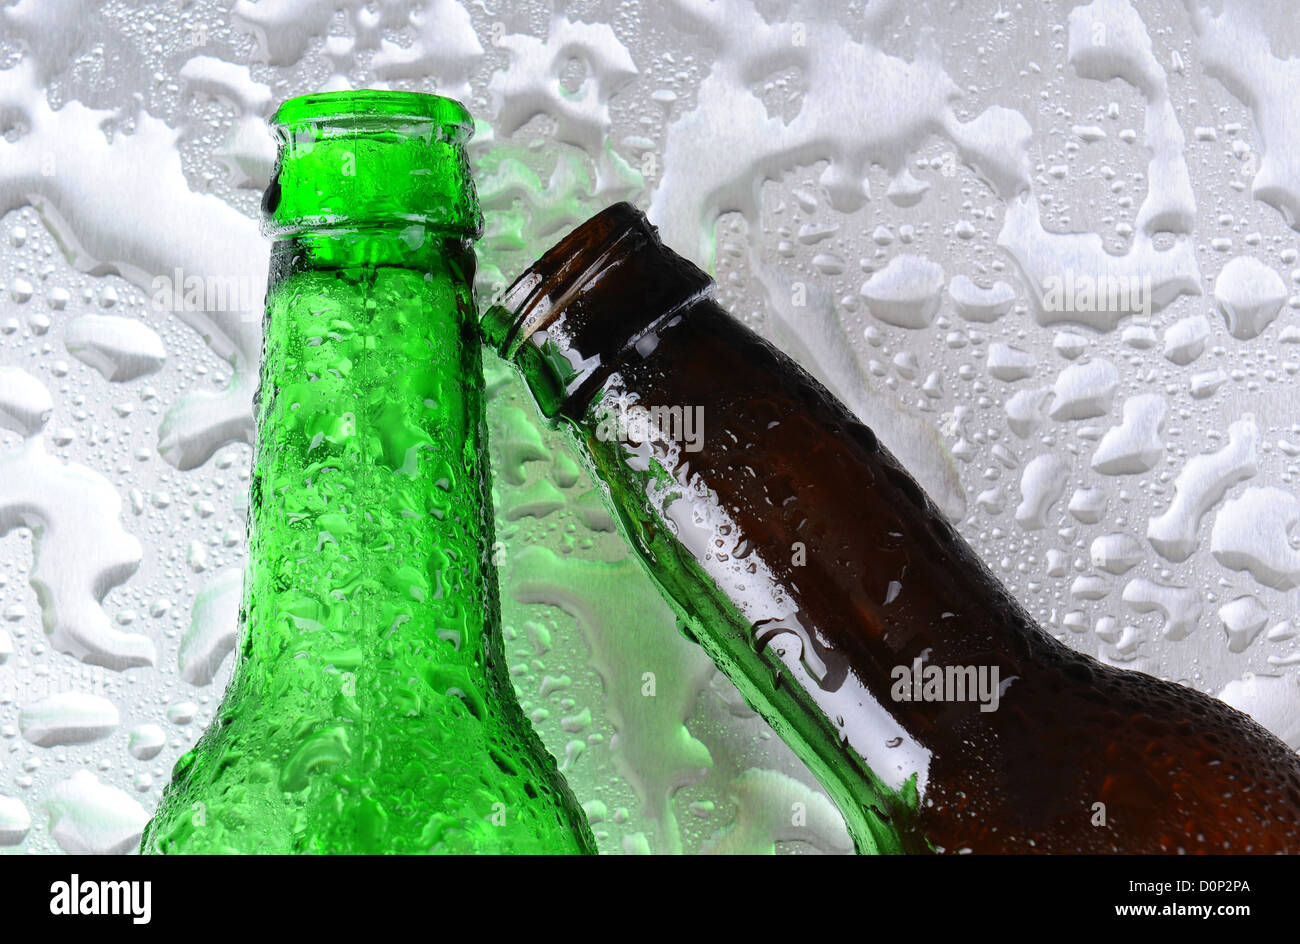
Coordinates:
x,y
414,247
371,389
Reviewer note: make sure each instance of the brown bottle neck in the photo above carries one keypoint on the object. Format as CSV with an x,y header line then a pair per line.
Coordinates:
x,y
599,292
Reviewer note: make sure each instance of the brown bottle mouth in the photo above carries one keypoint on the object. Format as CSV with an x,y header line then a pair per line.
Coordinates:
x,y
539,296
584,306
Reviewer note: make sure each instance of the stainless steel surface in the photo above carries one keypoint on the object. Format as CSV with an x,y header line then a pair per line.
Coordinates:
x,y
914,199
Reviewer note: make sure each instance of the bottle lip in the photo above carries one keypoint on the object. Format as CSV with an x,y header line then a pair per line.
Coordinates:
x,y
538,296
588,302
355,108
411,146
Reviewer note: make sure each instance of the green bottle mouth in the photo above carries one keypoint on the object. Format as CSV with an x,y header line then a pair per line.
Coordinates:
x,y
351,108
372,161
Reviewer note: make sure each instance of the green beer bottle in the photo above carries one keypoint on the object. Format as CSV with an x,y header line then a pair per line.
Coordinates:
x,y
369,710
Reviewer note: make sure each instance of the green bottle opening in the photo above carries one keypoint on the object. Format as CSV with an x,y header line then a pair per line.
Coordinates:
x,y
373,160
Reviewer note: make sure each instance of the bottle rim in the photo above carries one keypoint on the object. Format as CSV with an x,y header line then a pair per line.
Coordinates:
x,y
538,296
423,138
587,302
357,107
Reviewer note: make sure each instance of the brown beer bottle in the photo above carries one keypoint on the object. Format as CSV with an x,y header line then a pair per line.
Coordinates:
x,y
821,579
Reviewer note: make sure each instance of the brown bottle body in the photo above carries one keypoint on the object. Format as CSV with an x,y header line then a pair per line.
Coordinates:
x,y
845,575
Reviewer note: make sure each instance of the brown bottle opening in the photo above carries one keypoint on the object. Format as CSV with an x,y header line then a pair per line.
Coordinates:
x,y
554,320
